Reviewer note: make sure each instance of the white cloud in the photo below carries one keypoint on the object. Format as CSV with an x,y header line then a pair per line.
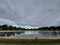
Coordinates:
x,y
6,21
31,12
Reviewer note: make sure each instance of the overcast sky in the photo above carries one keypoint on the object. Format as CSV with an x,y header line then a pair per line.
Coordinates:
x,y
30,12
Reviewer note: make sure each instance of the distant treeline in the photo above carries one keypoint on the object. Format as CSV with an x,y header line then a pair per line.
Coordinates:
x,y
6,27
50,28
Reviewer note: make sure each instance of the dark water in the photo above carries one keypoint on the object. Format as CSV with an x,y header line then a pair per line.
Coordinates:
x,y
31,33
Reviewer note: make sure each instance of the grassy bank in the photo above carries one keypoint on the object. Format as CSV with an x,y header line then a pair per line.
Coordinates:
x,y
18,41
29,42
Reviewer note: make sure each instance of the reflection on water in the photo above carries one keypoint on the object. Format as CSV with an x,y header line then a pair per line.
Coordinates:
x,y
32,34
38,34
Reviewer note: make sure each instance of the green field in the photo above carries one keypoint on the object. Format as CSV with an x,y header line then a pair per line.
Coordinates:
x,y
29,42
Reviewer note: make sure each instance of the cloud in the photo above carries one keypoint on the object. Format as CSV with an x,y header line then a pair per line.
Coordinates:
x,y
6,21
31,12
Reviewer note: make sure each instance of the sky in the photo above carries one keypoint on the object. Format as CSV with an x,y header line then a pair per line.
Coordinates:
x,y
30,12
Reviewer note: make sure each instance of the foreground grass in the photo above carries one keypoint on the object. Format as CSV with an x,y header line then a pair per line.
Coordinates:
x,y
32,44
29,42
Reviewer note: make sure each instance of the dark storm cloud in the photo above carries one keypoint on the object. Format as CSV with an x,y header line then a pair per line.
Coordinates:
x,y
30,12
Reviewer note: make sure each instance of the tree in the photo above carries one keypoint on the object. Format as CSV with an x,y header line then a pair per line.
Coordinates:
x,y
4,27
11,27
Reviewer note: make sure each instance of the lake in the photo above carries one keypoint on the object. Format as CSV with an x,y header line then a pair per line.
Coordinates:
x,y
31,34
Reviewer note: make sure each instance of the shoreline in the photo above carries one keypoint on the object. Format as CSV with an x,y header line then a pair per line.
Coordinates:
x,y
13,37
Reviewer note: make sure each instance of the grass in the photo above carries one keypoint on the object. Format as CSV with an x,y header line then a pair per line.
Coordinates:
x,y
29,42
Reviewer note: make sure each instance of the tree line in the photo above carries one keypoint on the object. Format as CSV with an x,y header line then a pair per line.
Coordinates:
x,y
50,28
6,27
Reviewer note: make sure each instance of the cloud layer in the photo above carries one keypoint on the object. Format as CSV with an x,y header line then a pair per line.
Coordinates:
x,y
31,12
